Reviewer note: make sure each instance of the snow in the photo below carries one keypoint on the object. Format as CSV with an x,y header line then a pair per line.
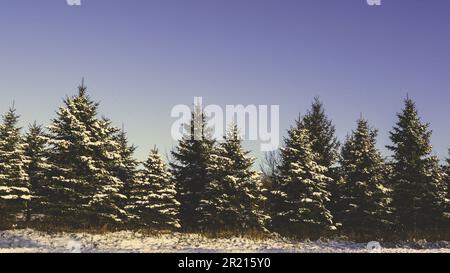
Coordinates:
x,y
28,240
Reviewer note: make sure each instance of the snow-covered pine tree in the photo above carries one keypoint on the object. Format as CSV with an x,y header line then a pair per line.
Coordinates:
x,y
15,192
190,168
107,202
322,132
366,202
127,170
251,194
269,169
215,208
324,144
153,196
37,154
83,155
300,190
418,195
446,217
234,196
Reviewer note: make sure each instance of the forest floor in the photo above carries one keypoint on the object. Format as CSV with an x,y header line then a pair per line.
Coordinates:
x,y
28,240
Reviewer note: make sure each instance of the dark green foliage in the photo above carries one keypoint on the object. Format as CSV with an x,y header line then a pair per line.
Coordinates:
x,y
84,153
37,154
15,192
190,168
446,218
234,196
365,196
300,191
325,145
322,134
417,180
153,196
126,170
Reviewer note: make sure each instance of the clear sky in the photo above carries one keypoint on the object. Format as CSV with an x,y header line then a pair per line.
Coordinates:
x,y
142,57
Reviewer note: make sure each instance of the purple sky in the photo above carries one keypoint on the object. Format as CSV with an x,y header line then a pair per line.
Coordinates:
x,y
141,57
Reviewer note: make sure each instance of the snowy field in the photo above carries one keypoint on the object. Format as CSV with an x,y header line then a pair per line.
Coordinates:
x,y
126,241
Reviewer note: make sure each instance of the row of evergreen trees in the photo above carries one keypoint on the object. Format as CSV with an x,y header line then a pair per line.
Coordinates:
x,y
315,190
80,173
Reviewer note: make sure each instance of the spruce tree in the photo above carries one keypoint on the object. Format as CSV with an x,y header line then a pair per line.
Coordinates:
x,y
300,192
251,196
417,180
322,134
324,143
190,168
15,192
446,217
108,200
234,196
215,206
269,168
153,196
83,154
37,153
365,196
127,170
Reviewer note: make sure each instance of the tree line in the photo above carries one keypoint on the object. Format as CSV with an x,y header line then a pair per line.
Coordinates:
x,y
79,172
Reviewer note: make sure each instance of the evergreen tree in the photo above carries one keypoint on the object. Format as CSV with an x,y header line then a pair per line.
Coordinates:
x,y
269,168
417,179
446,217
325,144
84,153
322,134
234,195
108,200
190,168
153,196
300,192
36,151
15,192
127,170
366,198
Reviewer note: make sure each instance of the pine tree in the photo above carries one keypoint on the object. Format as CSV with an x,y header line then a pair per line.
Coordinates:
x,y
15,192
37,154
446,217
190,168
325,145
215,207
417,180
127,170
153,196
251,195
270,168
83,154
300,192
234,195
366,198
108,200
322,134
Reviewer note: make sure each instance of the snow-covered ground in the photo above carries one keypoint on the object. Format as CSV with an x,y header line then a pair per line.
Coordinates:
x,y
28,240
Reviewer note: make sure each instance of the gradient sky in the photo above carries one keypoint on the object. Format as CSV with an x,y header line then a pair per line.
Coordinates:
x,y
142,57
